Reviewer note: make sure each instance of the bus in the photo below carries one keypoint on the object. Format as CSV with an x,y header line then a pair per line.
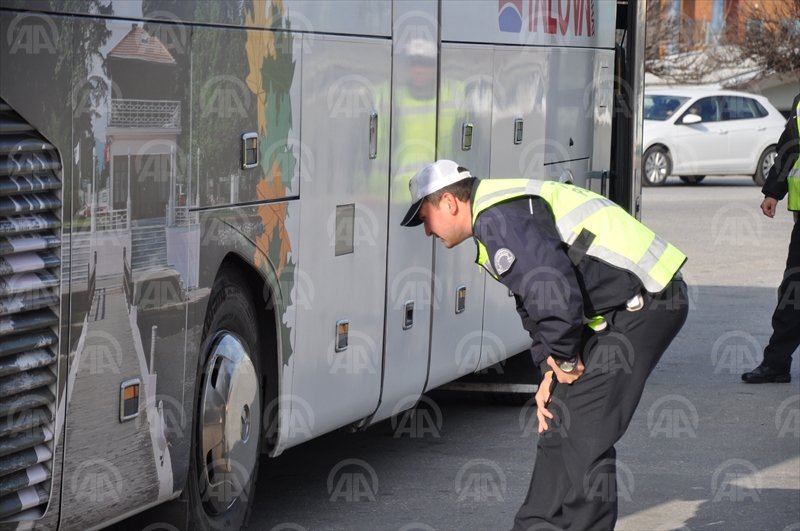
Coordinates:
x,y
200,243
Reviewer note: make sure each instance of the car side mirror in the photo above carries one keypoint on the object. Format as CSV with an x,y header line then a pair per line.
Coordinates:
x,y
690,119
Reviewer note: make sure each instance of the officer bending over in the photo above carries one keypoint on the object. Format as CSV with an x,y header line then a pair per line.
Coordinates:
x,y
624,302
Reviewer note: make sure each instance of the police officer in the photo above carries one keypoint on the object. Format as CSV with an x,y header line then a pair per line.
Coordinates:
x,y
783,178
621,303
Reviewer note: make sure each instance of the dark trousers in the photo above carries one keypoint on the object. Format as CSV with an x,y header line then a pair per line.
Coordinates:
x,y
574,484
786,318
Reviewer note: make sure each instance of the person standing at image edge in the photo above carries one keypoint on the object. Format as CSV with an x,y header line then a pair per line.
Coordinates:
x,y
783,179
621,294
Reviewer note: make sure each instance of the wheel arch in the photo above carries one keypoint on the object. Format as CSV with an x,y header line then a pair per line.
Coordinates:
x,y
265,307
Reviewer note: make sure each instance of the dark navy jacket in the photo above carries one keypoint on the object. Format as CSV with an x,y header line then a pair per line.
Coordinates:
x,y
552,294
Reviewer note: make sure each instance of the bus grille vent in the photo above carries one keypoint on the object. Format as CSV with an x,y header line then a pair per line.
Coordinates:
x,y
30,295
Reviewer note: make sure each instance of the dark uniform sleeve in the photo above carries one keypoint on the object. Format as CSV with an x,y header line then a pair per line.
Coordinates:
x,y
777,185
528,254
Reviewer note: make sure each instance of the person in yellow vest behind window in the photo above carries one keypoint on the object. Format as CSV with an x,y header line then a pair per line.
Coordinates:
x,y
620,303
783,179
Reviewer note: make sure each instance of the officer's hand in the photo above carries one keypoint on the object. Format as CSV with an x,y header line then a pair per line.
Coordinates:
x,y
566,377
542,399
768,206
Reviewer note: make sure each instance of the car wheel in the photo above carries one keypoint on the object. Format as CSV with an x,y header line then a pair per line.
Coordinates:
x,y
692,179
657,166
226,432
764,164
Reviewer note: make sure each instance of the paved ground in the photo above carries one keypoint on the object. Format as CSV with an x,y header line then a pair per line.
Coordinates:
x,y
704,451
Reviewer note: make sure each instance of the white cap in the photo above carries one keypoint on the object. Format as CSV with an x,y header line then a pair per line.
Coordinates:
x,y
428,180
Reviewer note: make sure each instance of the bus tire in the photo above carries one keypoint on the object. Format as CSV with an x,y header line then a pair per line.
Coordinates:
x,y
226,430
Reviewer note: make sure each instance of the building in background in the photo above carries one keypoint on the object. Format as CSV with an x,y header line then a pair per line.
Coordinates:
x,y
751,45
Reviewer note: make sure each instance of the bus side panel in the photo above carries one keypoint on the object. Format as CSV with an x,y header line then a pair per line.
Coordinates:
x,y
249,81
522,73
409,278
569,121
465,96
602,103
350,17
344,211
130,128
532,22
34,85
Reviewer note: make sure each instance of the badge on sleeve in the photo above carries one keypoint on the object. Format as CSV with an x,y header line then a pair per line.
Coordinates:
x,y
503,259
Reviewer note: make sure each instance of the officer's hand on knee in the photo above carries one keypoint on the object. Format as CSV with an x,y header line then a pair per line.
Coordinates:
x,y
543,399
566,377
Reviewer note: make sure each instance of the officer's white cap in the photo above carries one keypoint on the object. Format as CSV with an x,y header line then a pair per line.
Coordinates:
x,y
428,180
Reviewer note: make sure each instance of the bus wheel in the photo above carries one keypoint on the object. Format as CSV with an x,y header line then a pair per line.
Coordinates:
x,y
227,415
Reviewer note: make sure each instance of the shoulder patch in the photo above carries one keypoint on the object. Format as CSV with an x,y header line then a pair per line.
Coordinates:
x,y
503,260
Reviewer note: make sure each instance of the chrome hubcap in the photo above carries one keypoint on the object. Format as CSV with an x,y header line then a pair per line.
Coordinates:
x,y
655,167
230,412
769,160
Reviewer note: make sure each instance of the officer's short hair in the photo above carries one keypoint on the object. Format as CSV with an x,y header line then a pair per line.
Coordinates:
x,y
461,190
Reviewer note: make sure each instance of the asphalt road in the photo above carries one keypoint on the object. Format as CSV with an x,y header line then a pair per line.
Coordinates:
x,y
704,451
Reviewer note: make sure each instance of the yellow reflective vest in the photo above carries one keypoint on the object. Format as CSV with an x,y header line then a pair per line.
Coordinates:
x,y
794,174
619,239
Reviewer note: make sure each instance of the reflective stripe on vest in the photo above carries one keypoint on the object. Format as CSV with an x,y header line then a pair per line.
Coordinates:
x,y
620,240
794,174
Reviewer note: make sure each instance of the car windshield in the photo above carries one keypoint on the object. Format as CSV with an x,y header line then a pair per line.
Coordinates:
x,y
661,107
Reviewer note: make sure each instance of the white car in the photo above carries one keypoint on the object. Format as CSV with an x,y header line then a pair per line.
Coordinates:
x,y
697,132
